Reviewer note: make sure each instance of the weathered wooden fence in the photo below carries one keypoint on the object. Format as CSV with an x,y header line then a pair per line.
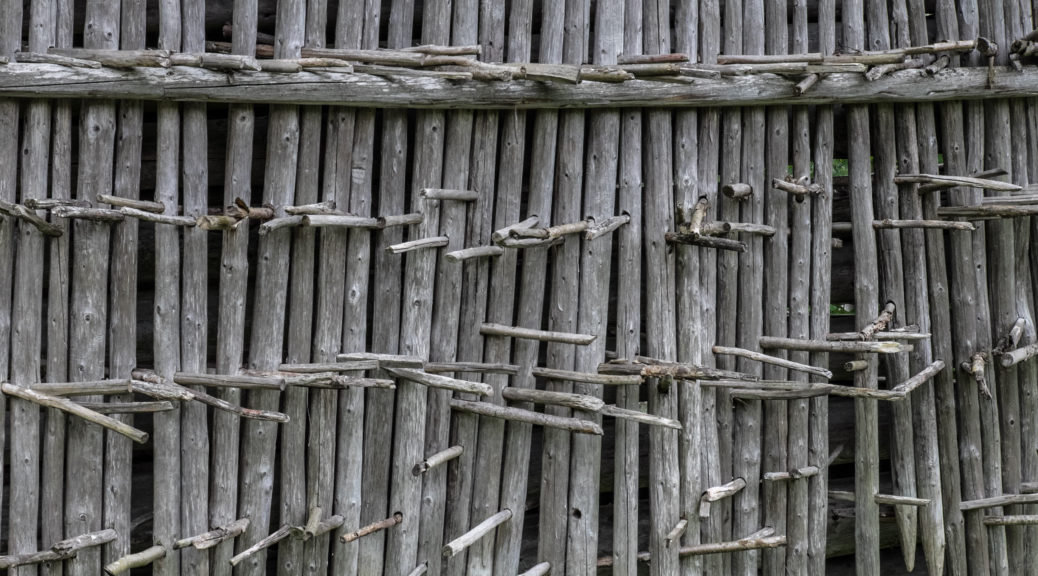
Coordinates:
x,y
570,287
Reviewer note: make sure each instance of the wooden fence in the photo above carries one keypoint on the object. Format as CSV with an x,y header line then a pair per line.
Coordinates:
x,y
460,287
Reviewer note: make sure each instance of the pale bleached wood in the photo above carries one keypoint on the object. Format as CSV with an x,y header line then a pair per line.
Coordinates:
x,y
215,536
476,533
528,416
267,340
136,560
61,551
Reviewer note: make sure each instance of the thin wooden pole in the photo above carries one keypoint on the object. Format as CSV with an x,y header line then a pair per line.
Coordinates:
x,y
83,497
266,345
53,465
27,312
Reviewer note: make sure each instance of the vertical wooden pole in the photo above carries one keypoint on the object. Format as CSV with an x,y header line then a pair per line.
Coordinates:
x,y
593,313
360,24
10,42
746,437
628,316
688,298
727,288
458,142
268,325
331,289
194,438
123,327
821,281
385,332
532,280
910,22
294,501
491,450
708,185
475,280
27,311
664,472
866,296
953,485
1000,280
416,325
167,495
776,296
892,289
562,315
83,489
798,507
52,522
233,291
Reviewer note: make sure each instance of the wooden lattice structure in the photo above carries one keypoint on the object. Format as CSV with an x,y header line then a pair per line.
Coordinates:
x,y
570,287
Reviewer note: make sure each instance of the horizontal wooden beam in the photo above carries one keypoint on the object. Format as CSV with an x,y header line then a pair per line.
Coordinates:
x,y
389,90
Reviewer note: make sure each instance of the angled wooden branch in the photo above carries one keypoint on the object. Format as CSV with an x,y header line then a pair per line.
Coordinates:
x,y
70,407
213,537
63,550
442,382
757,356
136,560
490,329
881,322
393,520
441,457
23,213
528,416
459,544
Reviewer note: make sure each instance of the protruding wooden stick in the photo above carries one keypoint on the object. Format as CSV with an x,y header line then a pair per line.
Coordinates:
x,y
478,367
714,228
737,191
268,415
117,58
805,472
185,221
66,405
518,415
393,520
98,388
806,84
38,58
474,252
642,417
127,407
919,379
674,370
320,527
552,232
241,209
502,234
888,347
243,381
52,203
459,544
1014,357
707,241
724,350
419,569
442,382
715,493
937,186
985,211
567,399
326,207
1011,520
800,191
145,205
996,501
441,457
91,214
956,181
895,500
881,322
317,367
541,569
19,211
976,367
384,360
267,542
798,394
419,244
395,220
61,551
855,365
443,194
587,377
607,226
489,329
761,539
676,533
136,560
214,536
929,224
885,335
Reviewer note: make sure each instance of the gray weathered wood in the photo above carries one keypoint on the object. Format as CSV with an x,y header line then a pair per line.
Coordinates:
x,y
267,340
27,313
